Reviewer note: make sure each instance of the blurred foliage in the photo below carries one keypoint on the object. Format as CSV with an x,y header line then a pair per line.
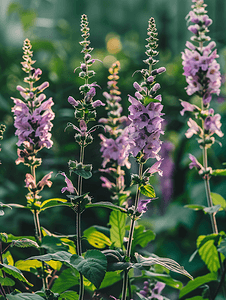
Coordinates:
x,y
118,32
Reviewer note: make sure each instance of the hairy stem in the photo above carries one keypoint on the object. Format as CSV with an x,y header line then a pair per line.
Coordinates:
x,y
130,239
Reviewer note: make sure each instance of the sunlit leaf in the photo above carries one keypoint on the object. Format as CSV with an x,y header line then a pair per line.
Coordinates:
x,y
222,247
147,190
195,206
147,100
198,281
219,172
218,200
93,266
13,271
26,265
53,244
8,257
117,221
96,238
69,295
53,203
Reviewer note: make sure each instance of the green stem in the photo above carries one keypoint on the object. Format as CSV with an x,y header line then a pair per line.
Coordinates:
x,y
130,239
78,226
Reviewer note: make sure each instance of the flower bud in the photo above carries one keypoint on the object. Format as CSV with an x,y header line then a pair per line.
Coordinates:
x,y
43,86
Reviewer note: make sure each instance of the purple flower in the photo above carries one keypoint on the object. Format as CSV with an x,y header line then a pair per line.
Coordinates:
x,y
45,181
156,291
72,101
213,125
155,168
97,103
195,164
106,183
194,129
142,205
70,188
188,107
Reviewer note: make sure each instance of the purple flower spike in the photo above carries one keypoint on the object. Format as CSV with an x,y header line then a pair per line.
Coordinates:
x,y
194,129
70,188
97,103
142,205
213,125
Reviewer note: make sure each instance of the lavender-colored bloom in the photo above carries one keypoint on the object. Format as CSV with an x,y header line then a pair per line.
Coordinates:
x,y
194,129
107,183
155,168
195,164
70,188
142,205
97,103
188,107
43,86
212,124
156,291
45,181
72,101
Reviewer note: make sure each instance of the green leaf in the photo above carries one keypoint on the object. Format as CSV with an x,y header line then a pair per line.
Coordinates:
x,y
117,221
67,279
69,295
53,203
110,278
195,206
6,281
208,251
142,237
24,243
148,99
25,296
53,244
93,266
62,256
83,173
218,200
212,209
27,265
222,247
11,238
147,190
16,273
198,281
197,298
107,205
28,18
168,263
219,172
3,237
7,258
96,238
166,279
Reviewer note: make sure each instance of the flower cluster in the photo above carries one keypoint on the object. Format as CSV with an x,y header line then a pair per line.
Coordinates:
x,y
33,115
32,119
145,109
200,66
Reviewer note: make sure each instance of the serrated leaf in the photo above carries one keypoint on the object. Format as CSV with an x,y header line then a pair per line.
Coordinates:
x,y
83,173
117,220
67,279
106,205
195,206
7,258
62,256
6,281
13,271
12,238
53,203
26,265
168,263
218,200
219,172
96,238
142,237
93,266
24,243
212,209
198,281
53,244
69,295
208,251
147,190
25,296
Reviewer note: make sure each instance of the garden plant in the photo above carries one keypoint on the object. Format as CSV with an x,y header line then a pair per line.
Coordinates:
x,y
114,261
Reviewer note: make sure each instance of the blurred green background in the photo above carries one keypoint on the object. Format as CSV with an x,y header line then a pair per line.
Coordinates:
x,y
118,32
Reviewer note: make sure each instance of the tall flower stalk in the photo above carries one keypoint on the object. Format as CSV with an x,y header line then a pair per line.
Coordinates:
x,y
203,77
144,133
85,111
32,119
114,148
